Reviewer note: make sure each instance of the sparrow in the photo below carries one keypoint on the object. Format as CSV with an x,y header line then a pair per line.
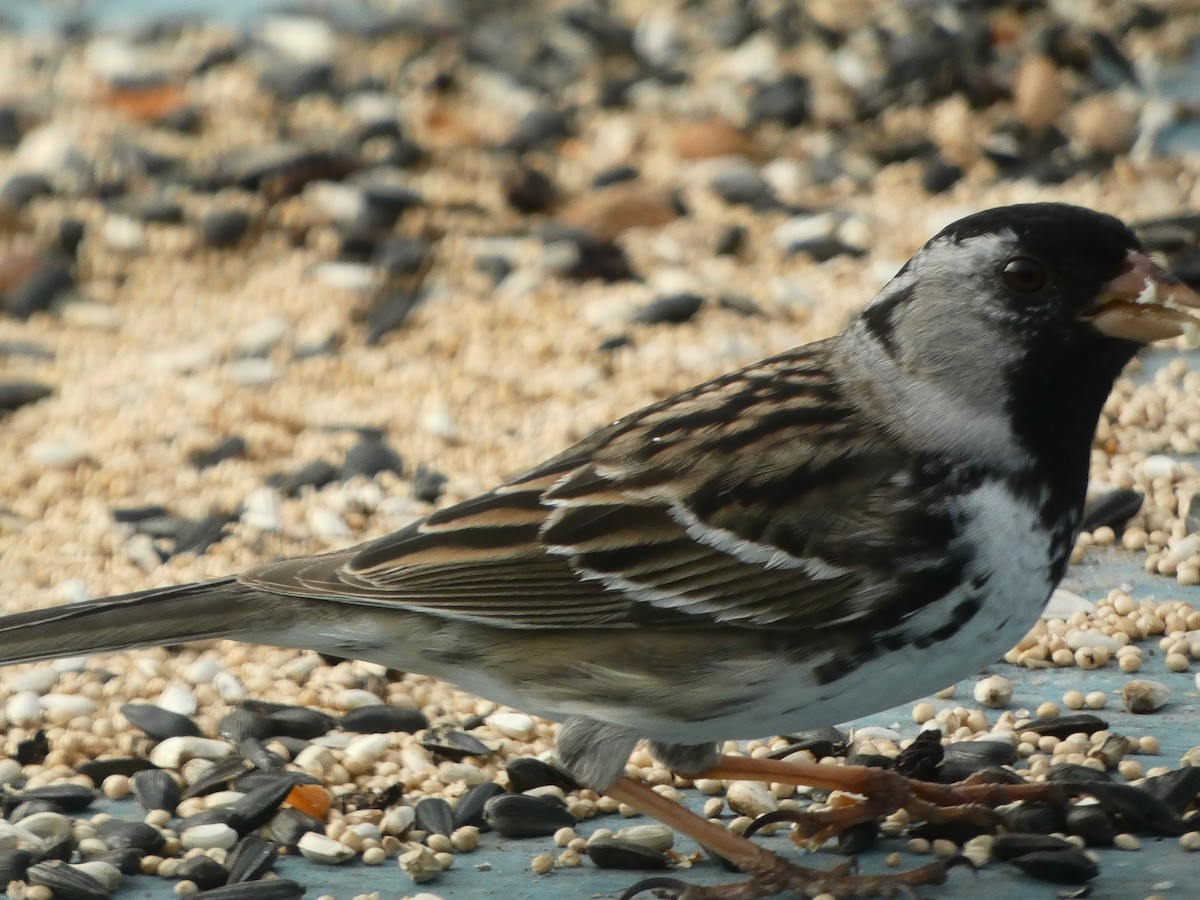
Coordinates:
x,y
821,535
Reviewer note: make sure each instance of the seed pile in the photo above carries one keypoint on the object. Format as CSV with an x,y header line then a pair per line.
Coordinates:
x,y
273,292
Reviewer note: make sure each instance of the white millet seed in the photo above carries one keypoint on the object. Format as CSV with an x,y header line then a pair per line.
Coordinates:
x,y
1190,841
1126,841
993,692
1073,699
1096,700
1048,710
542,864
922,713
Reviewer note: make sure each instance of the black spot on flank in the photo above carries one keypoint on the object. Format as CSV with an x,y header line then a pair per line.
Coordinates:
x,y
960,616
836,668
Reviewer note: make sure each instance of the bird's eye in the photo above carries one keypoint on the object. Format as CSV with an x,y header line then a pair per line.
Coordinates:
x,y
1024,275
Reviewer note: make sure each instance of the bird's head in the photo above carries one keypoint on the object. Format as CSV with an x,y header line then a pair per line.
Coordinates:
x,y
1025,312
1030,280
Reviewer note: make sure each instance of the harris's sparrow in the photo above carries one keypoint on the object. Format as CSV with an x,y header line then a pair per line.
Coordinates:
x,y
820,535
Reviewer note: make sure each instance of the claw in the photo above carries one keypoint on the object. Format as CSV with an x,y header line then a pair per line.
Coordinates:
x,y
775,817
655,883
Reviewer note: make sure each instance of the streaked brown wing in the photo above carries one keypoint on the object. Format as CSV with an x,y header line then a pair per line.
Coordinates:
x,y
736,501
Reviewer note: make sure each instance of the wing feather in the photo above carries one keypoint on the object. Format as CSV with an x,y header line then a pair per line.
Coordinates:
x,y
790,513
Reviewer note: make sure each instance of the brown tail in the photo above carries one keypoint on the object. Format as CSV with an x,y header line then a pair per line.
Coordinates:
x,y
189,612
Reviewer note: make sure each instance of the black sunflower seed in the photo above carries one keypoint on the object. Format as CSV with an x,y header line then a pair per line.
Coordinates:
x,y
857,838
369,457
67,797
1091,822
218,777
127,860
871,760
455,745
1070,773
29,808
258,806
204,871
921,758
231,447
13,864
67,882
241,723
985,753
1063,726
1011,844
384,719
255,752
251,859
469,808
821,742
159,723
156,789
300,722
614,853
526,773
15,394
522,815
217,815
99,769
1112,508
267,889
1140,808
1058,866
1035,818
434,815
289,825
672,310
1176,789
256,779
60,848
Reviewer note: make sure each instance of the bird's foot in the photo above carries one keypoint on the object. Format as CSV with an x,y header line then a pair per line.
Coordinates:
x,y
772,875
884,793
